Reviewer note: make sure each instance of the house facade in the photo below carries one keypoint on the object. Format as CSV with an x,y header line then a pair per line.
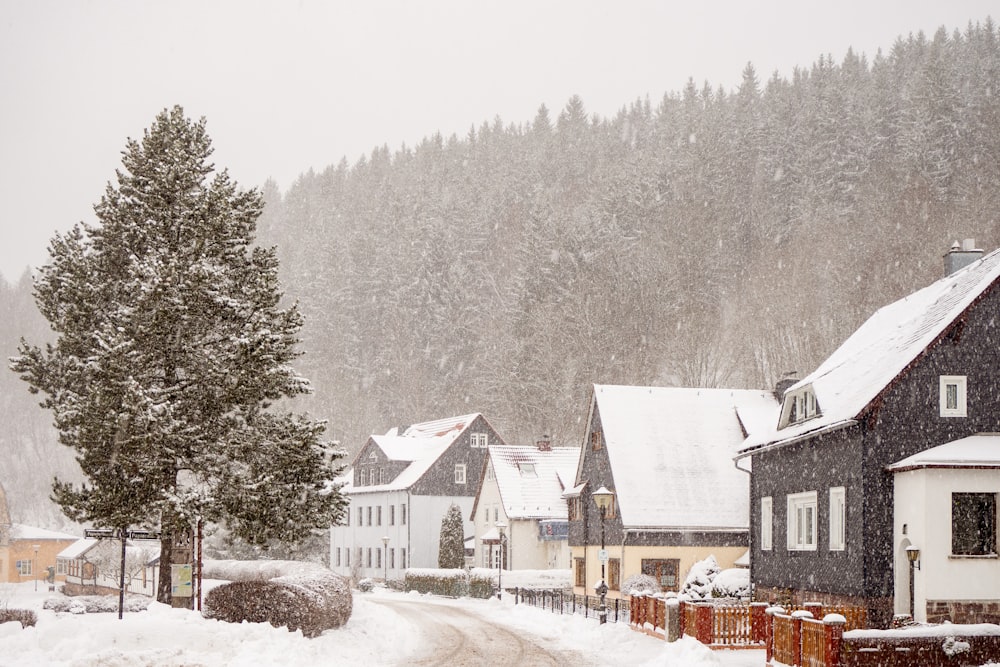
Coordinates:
x,y
919,374
667,455
400,486
93,566
522,490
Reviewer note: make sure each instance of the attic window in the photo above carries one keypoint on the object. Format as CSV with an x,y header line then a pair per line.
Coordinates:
x,y
527,470
373,455
953,396
478,440
801,405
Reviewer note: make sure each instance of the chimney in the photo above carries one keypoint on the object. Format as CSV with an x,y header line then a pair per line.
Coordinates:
x,y
961,255
784,383
544,444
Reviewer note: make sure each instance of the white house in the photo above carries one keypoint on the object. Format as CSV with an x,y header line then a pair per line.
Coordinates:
x,y
946,521
522,491
93,566
400,486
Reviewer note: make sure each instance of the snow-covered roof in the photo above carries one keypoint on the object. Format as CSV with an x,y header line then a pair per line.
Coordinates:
x,y
880,350
671,451
77,549
530,479
976,451
420,444
20,531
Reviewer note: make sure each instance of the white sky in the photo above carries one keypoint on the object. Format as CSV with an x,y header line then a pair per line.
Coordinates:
x,y
288,86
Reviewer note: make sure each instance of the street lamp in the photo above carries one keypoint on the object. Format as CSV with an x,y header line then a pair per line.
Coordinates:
x,y
385,558
603,499
34,564
501,527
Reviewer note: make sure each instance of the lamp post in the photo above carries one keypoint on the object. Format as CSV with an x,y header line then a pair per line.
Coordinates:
x,y
501,527
34,564
913,555
603,499
385,558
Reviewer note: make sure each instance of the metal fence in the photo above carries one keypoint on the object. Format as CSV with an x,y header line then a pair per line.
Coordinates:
x,y
560,602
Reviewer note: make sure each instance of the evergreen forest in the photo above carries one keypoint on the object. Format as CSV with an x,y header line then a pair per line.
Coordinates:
x,y
708,238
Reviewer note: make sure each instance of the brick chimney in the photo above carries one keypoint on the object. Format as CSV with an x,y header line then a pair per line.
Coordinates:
x,y
961,255
544,444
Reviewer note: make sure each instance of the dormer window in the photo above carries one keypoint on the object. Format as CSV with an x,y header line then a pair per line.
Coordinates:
x,y
800,405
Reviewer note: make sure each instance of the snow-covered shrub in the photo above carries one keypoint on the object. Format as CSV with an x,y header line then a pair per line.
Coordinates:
x,y
257,570
451,583
732,583
25,617
366,585
96,604
311,603
698,584
640,584
480,587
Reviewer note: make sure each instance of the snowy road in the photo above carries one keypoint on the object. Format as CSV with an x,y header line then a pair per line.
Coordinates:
x,y
462,637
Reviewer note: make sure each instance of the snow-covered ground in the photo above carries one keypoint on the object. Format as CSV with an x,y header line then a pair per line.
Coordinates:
x,y
165,637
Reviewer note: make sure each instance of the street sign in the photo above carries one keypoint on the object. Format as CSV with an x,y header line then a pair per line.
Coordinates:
x,y
99,533
602,555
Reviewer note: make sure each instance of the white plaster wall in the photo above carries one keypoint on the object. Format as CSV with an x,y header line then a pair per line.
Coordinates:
x,y
923,503
425,526
364,536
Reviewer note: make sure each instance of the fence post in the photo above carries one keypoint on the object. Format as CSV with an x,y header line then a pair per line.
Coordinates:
x,y
797,617
814,608
682,616
758,620
769,614
833,627
672,619
703,623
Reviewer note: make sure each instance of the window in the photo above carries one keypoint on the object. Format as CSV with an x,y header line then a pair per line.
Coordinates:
x,y
392,515
580,572
459,473
953,395
573,507
802,521
766,522
838,514
664,570
973,524
479,440
347,557
402,558
614,574
369,515
369,554
527,470
489,472
392,559
378,558
381,476
596,440
338,557
363,475
378,515
402,515
23,567
61,566
361,516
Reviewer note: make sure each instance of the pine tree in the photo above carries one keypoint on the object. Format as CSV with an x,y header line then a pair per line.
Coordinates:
x,y
171,350
451,549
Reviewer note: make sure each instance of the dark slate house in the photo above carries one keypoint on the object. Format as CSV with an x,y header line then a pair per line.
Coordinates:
x,y
667,454
400,486
827,523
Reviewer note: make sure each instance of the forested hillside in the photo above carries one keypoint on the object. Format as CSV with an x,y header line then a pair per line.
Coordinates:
x,y
708,238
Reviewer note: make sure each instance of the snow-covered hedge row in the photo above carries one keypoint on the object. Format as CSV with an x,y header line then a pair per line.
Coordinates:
x,y
449,582
312,603
92,604
25,617
257,570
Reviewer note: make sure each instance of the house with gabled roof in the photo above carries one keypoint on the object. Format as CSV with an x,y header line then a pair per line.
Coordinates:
x,y
667,455
874,484
522,490
400,486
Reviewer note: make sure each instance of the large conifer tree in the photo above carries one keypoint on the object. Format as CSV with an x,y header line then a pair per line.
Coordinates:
x,y
171,348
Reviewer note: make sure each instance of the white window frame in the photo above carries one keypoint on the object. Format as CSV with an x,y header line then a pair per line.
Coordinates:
x,y
479,440
961,384
838,518
363,476
802,521
459,473
766,523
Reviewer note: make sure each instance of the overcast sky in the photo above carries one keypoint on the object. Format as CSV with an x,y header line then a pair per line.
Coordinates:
x,y
292,85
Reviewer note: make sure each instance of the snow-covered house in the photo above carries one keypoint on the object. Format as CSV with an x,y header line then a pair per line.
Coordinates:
x,y
93,566
667,454
875,455
522,491
400,486
27,553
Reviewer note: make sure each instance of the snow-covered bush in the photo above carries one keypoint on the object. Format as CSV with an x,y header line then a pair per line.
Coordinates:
x,y
732,583
698,584
96,604
25,617
366,585
311,603
257,570
451,583
640,584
